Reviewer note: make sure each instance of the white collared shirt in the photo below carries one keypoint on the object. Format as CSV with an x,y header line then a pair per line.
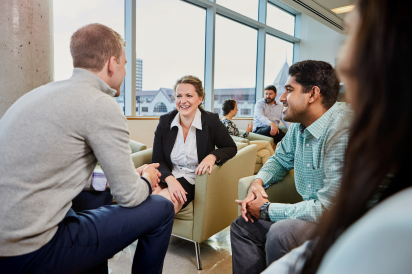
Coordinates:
x,y
184,154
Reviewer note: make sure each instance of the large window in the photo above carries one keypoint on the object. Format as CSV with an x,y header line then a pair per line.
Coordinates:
x,y
235,47
247,8
170,43
69,16
235,63
280,19
279,56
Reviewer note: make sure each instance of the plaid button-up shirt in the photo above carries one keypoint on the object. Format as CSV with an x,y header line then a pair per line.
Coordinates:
x,y
316,153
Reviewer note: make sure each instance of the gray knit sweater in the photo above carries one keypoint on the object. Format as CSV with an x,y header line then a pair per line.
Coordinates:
x,y
50,141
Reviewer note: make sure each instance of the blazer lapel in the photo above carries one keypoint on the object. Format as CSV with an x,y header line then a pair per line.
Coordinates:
x,y
201,139
169,141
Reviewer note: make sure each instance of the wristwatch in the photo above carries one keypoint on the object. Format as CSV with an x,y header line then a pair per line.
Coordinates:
x,y
264,213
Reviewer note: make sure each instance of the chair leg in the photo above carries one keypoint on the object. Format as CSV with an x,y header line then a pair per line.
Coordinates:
x,y
199,263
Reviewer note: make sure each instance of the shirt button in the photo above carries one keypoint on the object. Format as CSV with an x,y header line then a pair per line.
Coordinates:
x,y
308,165
309,185
307,145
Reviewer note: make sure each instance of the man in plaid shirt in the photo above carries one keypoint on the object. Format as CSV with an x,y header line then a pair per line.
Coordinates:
x,y
314,147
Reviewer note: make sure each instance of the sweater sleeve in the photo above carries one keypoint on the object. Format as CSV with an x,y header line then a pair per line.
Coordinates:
x,y
107,134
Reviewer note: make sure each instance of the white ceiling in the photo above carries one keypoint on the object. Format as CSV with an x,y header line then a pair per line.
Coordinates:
x,y
332,4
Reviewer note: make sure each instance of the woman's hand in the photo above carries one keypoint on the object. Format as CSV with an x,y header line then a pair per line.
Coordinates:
x,y
207,162
177,192
249,127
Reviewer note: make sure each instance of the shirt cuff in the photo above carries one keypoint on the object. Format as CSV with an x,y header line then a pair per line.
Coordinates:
x,y
148,183
265,177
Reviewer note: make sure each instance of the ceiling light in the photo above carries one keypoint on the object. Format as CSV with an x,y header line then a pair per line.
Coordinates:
x,y
343,9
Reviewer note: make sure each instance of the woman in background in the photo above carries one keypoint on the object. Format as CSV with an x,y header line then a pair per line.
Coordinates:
x,y
185,141
229,108
375,66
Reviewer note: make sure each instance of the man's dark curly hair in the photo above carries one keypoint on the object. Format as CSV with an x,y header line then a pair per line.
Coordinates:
x,y
312,73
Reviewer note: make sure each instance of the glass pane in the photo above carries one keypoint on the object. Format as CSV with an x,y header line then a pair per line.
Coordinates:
x,y
249,8
70,16
170,43
235,65
280,19
279,56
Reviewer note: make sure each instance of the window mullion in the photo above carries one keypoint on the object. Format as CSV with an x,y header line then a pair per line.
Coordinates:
x,y
130,37
210,57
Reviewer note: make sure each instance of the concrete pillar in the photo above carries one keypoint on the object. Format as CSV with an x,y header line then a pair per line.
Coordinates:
x,y
26,48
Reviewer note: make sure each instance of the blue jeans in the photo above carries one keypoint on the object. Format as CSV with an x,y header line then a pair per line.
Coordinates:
x,y
87,238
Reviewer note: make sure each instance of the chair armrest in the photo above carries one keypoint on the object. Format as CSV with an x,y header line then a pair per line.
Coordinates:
x,y
244,185
257,137
240,139
240,145
215,194
136,146
282,192
264,145
142,157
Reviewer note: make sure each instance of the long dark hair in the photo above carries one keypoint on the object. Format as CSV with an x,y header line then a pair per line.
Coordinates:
x,y
379,142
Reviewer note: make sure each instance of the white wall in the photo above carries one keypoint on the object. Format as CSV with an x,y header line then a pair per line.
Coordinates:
x,y
318,42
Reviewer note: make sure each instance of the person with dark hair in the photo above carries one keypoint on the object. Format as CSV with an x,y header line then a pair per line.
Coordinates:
x,y
268,114
230,110
74,124
353,237
314,147
185,143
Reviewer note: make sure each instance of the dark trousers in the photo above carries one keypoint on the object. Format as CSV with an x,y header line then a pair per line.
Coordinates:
x,y
256,245
88,238
266,131
88,200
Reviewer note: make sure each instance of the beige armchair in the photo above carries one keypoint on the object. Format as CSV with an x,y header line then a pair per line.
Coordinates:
x,y
257,137
213,208
265,150
136,146
282,192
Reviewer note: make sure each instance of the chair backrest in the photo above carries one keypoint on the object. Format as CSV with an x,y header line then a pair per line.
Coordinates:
x,y
285,190
215,194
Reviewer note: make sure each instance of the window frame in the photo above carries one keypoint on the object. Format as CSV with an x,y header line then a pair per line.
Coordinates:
x,y
211,10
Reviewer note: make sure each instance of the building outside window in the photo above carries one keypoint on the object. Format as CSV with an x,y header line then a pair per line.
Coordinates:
x,y
225,49
160,107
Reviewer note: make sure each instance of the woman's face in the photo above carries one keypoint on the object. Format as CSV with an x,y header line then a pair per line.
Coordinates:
x,y
187,100
346,59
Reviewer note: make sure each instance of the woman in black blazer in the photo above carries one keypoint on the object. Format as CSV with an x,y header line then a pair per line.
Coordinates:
x,y
185,141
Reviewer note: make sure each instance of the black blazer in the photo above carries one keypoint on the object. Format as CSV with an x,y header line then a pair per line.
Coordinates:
x,y
213,134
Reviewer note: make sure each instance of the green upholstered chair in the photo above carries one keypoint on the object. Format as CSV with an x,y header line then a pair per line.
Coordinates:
x,y
265,149
136,146
282,192
213,208
256,137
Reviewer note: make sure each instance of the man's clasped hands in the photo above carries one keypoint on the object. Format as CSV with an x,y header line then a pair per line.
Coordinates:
x,y
256,197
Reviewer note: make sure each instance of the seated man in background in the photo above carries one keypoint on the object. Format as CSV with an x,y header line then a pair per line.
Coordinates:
x,y
50,141
268,114
314,147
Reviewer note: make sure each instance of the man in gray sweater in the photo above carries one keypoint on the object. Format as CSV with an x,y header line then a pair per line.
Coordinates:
x,y
50,141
